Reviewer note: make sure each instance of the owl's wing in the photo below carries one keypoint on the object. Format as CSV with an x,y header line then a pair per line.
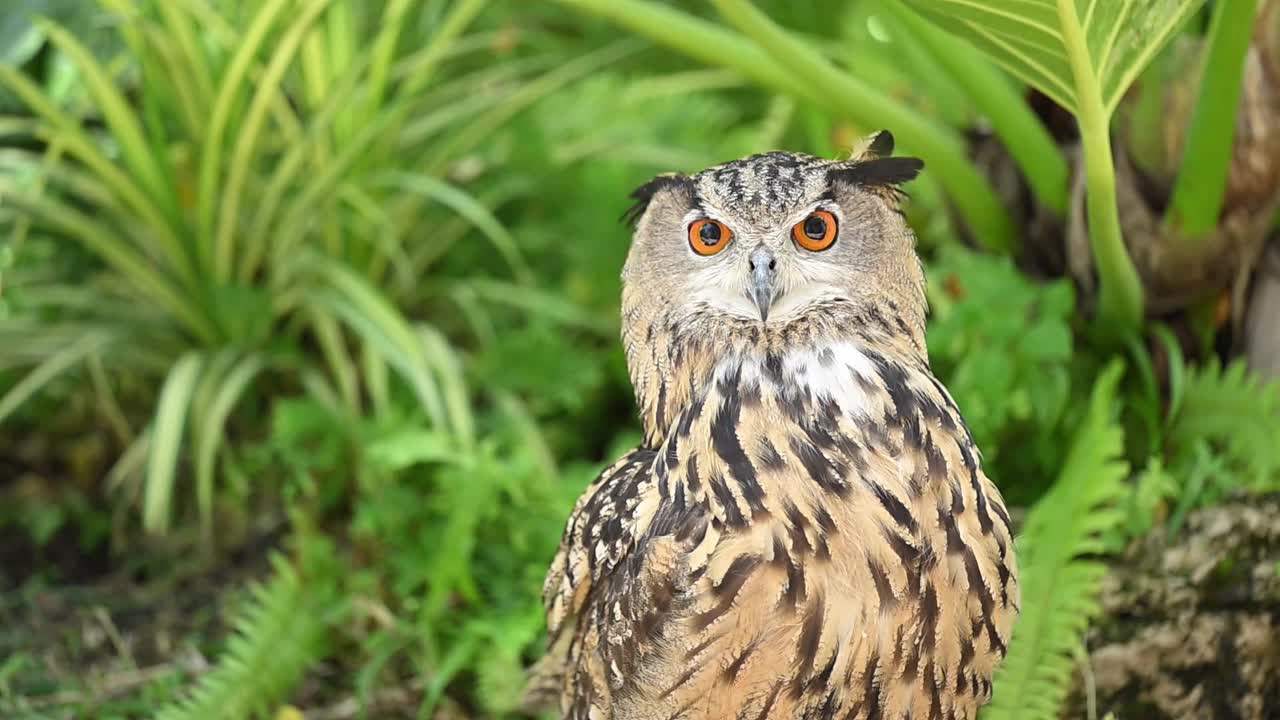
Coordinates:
x,y
601,533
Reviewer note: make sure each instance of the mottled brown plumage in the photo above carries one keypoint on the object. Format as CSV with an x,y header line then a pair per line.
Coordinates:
x,y
806,530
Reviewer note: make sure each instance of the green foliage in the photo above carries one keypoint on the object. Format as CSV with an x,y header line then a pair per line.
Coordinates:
x,y
1003,344
235,218
1221,436
1085,58
1196,201
1059,584
783,62
280,632
357,264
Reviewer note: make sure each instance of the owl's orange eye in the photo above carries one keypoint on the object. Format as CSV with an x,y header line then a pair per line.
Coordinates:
x,y
708,237
816,232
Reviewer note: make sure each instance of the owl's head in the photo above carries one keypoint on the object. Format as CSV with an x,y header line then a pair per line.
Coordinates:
x,y
776,241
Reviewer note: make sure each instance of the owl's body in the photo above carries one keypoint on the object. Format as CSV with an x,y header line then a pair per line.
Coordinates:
x,y
806,531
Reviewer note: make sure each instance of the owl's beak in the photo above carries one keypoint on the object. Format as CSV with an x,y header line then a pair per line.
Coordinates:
x,y
764,279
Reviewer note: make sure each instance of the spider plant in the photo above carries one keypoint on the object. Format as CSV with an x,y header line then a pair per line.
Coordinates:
x,y
273,176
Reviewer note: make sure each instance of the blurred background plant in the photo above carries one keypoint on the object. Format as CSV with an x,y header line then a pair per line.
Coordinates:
x,y
319,298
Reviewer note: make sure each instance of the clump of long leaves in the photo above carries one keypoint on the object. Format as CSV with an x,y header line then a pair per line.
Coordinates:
x,y
279,174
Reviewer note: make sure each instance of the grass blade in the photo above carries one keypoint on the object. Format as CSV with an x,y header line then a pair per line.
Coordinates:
x,y
212,423
234,84
468,207
268,86
48,370
167,430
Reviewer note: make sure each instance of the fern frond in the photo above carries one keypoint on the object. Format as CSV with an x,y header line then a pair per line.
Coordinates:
x,y
1237,414
1059,587
279,633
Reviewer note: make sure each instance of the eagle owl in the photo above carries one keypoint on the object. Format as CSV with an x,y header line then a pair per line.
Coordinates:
x,y
806,530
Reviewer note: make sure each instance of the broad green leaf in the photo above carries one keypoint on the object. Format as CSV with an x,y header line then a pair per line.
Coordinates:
x,y
1046,43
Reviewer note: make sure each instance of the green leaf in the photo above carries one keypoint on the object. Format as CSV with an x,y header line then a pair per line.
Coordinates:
x,y
48,370
1197,198
166,440
1084,54
210,425
410,446
1058,585
267,88
1038,41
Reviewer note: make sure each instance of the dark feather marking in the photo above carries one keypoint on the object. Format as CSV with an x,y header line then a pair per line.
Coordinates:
x,y
957,499
796,524
780,557
817,466
929,610
672,451
773,367
691,474
769,455
688,675
935,700
1003,514
873,316
793,403
731,672
677,499
823,551
768,704
881,145
870,689
795,586
971,465
643,195
732,513
826,522
907,553
694,523
967,653
724,439
807,650
734,578
894,506
954,545
696,650
879,171
1004,572
883,588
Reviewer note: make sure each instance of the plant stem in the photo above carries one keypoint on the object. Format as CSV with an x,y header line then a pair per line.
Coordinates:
x,y
1028,141
1120,302
1206,158
789,66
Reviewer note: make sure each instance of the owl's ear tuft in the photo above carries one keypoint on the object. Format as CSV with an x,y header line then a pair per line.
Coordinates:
x,y
880,171
871,147
644,194
881,145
